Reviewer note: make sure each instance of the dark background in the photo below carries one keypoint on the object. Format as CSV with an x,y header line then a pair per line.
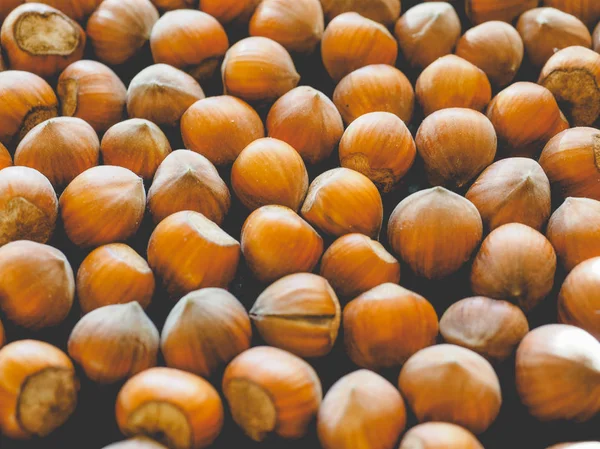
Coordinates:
x,y
93,424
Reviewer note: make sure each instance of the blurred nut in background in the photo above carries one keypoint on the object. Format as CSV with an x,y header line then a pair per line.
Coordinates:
x,y
161,93
118,30
204,331
299,313
258,70
182,408
343,201
496,48
480,11
115,342
455,144
426,32
276,242
436,435
596,38
586,10
188,181
368,401
104,204
352,41
136,144
136,443
187,251
557,372
28,205
574,231
380,146
40,39
269,171
386,325
113,274
237,12
435,231
573,77
91,91
219,128
38,389
192,41
374,88
60,148
354,264
452,384
382,11
513,190
36,284
487,326
452,82
308,120
272,391
515,263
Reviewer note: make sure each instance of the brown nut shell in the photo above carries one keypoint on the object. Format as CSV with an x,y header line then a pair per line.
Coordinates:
x,y
5,159
439,435
237,12
480,11
585,10
382,11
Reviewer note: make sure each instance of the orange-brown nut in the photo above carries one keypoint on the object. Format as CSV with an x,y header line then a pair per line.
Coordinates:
x,y
170,5
5,159
276,242
435,435
210,258
78,10
237,12
586,10
113,274
596,38
382,11
480,11
138,442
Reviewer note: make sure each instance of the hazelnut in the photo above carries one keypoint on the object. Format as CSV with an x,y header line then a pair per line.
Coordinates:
x,y
496,48
354,264
161,93
170,5
437,435
374,88
136,144
578,303
91,91
352,41
258,70
557,372
452,82
307,120
370,403
547,30
382,11
78,10
455,144
386,325
137,443
272,391
299,313
515,263
588,12
184,409
480,11
118,30
189,40
431,250
237,12
343,201
28,206
269,171
525,116
40,39
204,331
25,100
298,26
380,146
570,159
427,32
513,190
574,231
596,39
219,128
487,326
5,159
36,284
38,389
210,258
451,384
113,274
113,343
188,181
276,242
103,205
60,148
573,76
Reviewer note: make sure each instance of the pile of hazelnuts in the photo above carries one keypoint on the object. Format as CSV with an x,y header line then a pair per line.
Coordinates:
x,y
215,200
